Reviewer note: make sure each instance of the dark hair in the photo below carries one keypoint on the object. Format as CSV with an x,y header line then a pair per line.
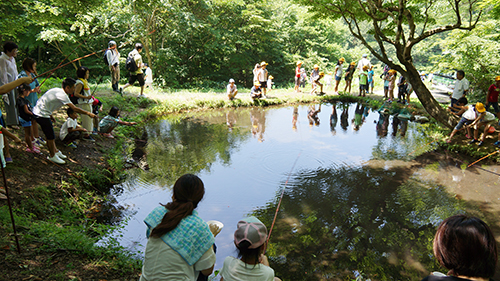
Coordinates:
x,y
69,111
81,71
23,87
9,46
138,46
68,82
114,112
463,100
248,254
466,246
461,72
28,64
188,192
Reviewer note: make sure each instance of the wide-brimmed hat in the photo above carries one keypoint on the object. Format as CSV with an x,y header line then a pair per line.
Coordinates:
x,y
299,62
252,230
321,73
271,77
480,107
263,63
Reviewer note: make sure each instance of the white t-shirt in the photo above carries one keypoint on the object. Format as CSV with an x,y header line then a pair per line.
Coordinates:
x,y
460,87
231,90
161,262
236,270
363,62
51,101
470,113
149,76
70,123
262,75
113,57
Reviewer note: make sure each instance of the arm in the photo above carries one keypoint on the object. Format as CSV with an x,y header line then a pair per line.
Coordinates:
x,y
79,110
126,123
10,135
12,85
78,128
78,90
26,110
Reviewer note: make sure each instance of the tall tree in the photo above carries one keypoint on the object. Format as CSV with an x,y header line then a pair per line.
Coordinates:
x,y
382,26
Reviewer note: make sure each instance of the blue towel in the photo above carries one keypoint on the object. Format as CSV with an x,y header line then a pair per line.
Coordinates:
x,y
191,238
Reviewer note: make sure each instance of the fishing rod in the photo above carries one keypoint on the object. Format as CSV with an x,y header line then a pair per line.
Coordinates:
x,y
279,202
10,207
60,64
483,158
77,59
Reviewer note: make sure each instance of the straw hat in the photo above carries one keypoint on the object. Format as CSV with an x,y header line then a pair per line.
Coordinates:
x,y
256,84
271,77
299,62
321,73
263,63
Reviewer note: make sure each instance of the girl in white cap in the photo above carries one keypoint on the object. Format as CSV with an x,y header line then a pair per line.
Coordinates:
x,y
232,91
252,265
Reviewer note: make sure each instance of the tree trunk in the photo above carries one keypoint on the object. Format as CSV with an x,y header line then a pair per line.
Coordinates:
x,y
429,103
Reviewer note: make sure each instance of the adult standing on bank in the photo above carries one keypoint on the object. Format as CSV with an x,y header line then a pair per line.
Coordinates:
x,y
362,62
8,73
113,57
461,87
136,72
51,101
263,77
85,100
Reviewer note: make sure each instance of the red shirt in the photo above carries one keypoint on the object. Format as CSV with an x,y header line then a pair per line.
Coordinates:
x,y
493,92
297,71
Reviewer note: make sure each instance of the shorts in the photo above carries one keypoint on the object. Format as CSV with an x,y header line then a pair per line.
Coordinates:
x,y
495,106
105,129
136,77
263,84
370,84
338,78
363,87
47,127
348,79
24,123
297,81
72,136
463,121
386,88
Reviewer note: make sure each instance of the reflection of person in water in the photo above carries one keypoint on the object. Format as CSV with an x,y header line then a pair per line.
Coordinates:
x,y
312,115
295,117
258,119
344,117
358,116
230,119
383,123
333,119
399,122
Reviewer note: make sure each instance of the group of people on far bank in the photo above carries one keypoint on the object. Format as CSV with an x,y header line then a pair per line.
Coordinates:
x,y
262,83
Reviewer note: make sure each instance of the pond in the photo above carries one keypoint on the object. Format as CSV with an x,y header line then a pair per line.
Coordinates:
x,y
356,202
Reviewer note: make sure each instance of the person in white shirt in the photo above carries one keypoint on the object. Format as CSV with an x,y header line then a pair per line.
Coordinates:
x,y
232,91
461,87
263,77
113,57
51,101
70,130
148,78
362,62
8,73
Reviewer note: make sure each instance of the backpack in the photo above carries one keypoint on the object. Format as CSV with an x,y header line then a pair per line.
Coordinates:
x,y
73,99
105,57
130,64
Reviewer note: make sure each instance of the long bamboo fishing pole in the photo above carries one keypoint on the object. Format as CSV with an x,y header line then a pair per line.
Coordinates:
x,y
77,59
60,64
483,158
10,208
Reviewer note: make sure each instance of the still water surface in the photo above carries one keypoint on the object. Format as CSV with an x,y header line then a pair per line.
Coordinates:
x,y
356,204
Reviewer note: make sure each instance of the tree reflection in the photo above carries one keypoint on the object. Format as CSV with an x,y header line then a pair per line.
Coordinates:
x,y
188,145
343,223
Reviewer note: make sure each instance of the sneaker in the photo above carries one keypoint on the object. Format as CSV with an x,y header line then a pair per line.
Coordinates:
x,y
467,136
8,160
41,140
72,145
37,143
108,136
472,141
480,143
34,150
94,133
60,155
88,138
497,143
56,159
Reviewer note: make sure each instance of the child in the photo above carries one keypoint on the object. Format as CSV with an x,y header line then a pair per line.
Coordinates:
x,y
148,77
370,80
349,73
312,115
26,116
249,238
363,81
392,82
109,122
96,107
338,74
328,80
315,83
484,118
270,83
256,92
468,113
402,89
3,134
232,91
70,130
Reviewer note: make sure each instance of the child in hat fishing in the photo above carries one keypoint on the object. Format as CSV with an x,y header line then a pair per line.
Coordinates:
x,y
316,83
468,113
484,118
251,264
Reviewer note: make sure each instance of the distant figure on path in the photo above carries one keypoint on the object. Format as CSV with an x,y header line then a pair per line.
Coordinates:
x,y
136,75
113,57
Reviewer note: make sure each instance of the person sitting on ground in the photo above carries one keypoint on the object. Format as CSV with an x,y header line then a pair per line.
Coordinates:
x,y
251,264
468,113
466,247
492,96
179,242
316,83
485,119
232,91
51,101
26,116
256,92
109,122
70,131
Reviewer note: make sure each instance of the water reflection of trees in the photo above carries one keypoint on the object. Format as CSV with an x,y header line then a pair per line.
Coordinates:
x,y
342,223
189,145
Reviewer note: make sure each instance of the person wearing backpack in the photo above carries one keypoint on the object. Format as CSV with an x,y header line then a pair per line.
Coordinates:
x,y
134,65
112,59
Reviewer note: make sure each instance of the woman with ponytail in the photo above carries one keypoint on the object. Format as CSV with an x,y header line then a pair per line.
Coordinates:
x,y
179,242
